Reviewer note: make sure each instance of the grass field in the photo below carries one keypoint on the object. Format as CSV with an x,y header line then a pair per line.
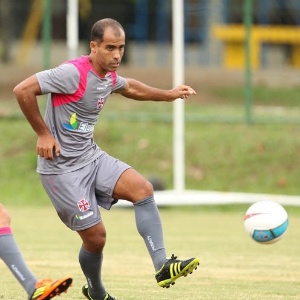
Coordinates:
x,y
234,157
223,154
233,267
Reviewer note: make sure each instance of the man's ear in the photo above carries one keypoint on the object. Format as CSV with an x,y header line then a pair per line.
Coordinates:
x,y
93,45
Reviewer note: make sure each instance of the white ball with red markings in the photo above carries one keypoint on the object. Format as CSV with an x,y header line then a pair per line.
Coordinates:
x,y
266,222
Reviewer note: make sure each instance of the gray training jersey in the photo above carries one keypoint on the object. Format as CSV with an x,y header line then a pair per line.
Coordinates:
x,y
77,95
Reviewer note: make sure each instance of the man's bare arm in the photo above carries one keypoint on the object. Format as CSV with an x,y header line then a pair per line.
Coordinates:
x,y
137,90
26,93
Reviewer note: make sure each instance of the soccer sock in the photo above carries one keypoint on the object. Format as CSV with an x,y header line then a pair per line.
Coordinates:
x,y
12,257
149,226
91,264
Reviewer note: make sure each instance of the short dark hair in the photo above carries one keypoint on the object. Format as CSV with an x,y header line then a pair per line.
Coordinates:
x,y
99,27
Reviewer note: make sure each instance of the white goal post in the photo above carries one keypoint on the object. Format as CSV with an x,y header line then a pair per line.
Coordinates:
x,y
72,28
178,108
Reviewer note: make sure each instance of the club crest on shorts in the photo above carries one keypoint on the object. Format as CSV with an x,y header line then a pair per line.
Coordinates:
x,y
83,205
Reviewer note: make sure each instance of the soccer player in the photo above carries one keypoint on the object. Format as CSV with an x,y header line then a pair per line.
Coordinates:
x,y
9,252
76,173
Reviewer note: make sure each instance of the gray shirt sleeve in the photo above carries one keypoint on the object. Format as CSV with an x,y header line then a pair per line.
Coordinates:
x,y
120,82
63,79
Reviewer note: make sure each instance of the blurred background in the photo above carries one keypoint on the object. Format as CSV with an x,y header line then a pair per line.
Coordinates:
x,y
34,34
242,58
25,25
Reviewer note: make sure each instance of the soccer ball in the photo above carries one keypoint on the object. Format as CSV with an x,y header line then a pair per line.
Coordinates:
x,y
266,222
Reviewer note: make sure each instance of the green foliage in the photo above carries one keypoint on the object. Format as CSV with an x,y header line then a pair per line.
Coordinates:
x,y
277,96
19,182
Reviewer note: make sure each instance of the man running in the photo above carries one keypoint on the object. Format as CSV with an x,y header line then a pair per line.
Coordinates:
x,y
76,173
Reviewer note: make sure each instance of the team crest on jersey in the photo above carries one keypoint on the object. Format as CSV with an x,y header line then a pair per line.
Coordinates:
x,y
83,205
100,103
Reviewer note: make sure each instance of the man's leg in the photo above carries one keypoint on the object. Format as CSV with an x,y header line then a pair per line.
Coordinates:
x,y
133,187
90,259
149,226
11,255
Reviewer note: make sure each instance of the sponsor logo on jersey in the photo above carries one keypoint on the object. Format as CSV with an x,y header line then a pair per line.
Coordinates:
x,y
74,125
101,88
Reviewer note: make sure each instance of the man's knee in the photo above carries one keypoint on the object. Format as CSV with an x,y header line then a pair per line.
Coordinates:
x,y
142,190
94,238
147,188
5,218
132,186
95,245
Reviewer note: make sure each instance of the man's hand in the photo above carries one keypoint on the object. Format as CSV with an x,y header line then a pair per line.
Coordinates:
x,y
47,146
183,92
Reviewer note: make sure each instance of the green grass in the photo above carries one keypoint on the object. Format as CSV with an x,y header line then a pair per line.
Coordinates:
x,y
222,156
261,158
278,104
233,267
276,96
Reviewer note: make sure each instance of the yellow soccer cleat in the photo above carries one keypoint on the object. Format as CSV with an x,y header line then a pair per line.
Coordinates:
x,y
173,269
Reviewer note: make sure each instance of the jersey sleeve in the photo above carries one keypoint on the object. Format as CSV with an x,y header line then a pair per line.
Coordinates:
x,y
119,84
63,79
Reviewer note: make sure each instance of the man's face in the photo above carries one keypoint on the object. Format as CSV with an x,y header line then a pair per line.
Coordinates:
x,y
106,56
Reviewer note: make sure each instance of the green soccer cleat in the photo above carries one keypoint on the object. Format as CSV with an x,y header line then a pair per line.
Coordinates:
x,y
173,269
47,289
85,292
